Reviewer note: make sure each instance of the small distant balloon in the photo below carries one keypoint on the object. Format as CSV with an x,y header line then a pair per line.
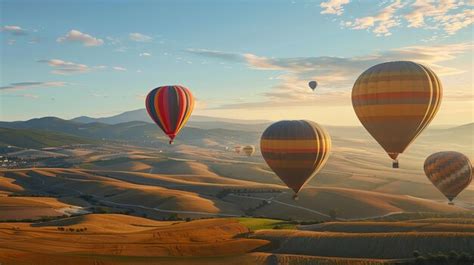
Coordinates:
x,y
313,84
248,150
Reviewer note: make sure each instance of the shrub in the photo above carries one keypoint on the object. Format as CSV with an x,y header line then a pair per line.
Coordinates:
x,y
453,255
416,253
420,260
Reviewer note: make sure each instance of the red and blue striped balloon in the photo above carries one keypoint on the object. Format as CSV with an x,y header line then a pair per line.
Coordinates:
x,y
170,108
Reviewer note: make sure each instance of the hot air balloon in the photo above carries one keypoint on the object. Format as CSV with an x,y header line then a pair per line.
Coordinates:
x,y
170,108
313,84
395,101
450,172
248,150
237,149
295,151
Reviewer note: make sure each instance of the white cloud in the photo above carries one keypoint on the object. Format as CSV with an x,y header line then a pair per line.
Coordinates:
x,y
334,7
446,14
119,68
139,37
63,67
449,16
144,54
27,85
14,30
77,36
381,23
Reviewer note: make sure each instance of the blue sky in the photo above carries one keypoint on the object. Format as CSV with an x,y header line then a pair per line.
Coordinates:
x,y
241,59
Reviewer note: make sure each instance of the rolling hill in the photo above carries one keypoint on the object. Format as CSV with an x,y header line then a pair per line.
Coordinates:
x,y
35,138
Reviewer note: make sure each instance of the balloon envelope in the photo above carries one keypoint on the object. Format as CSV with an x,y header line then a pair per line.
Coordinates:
x,y
295,150
248,150
170,108
450,172
395,101
313,84
237,149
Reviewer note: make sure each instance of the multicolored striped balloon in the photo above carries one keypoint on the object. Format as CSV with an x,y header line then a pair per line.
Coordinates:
x,y
295,150
170,108
450,172
248,150
395,101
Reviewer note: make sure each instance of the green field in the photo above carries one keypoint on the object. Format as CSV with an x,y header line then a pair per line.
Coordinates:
x,y
264,223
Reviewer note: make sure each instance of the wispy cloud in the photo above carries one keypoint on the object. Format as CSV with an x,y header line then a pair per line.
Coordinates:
x,y
64,68
29,96
448,16
27,85
451,15
139,37
335,75
216,54
381,23
144,54
119,68
14,30
77,36
334,7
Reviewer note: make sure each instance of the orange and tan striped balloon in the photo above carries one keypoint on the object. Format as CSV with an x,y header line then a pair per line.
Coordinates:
x,y
295,150
395,101
450,172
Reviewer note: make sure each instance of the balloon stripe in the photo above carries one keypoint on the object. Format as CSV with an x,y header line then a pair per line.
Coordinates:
x,y
150,107
182,102
392,110
189,108
157,105
390,101
393,95
164,110
173,108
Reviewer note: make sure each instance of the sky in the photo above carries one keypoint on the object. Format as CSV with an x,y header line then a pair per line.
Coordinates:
x,y
241,59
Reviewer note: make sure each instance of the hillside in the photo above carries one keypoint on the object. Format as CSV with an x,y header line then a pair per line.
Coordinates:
x,y
387,245
34,138
197,192
123,240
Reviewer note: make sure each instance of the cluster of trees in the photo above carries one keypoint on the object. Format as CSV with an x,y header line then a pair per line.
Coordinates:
x,y
251,211
221,194
452,257
72,229
174,217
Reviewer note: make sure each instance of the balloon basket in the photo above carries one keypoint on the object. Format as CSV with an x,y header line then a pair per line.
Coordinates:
x,y
395,164
450,203
295,197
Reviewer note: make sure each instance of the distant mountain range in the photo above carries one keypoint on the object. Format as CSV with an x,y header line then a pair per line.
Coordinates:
x,y
135,127
203,122
134,132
